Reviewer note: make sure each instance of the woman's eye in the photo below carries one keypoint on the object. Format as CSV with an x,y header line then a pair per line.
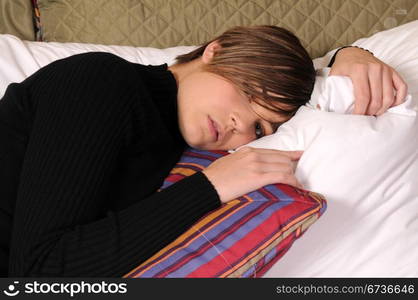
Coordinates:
x,y
259,132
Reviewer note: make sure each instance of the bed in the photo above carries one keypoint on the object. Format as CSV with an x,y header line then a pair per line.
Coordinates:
x,y
379,240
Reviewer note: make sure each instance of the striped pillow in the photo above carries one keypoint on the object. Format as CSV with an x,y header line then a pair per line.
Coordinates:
x,y
243,238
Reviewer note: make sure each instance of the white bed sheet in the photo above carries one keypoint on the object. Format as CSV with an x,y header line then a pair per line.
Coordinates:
x,y
19,59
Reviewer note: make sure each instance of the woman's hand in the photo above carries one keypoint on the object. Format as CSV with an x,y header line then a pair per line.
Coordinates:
x,y
374,82
249,169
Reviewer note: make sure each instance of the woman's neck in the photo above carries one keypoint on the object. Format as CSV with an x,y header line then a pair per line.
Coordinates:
x,y
181,71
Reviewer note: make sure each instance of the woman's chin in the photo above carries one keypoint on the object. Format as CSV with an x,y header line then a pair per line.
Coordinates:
x,y
202,146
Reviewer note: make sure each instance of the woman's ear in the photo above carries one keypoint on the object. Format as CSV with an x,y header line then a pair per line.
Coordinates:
x,y
210,51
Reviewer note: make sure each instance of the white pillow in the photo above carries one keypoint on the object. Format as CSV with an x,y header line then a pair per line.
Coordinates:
x,y
19,59
366,167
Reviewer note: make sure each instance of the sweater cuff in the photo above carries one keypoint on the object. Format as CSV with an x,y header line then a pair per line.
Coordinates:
x,y
188,199
197,186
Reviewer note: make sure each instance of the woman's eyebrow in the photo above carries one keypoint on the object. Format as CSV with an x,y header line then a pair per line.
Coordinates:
x,y
273,126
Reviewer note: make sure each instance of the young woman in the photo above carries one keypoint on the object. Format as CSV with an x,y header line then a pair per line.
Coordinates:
x,y
86,141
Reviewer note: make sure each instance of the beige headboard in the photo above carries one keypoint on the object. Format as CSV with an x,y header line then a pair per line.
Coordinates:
x,y
320,24
16,18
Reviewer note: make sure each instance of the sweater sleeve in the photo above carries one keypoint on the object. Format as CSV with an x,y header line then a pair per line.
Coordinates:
x,y
79,129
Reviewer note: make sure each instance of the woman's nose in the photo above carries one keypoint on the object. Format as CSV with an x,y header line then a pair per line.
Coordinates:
x,y
240,126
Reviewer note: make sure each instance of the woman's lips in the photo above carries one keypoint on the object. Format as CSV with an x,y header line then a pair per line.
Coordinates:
x,y
212,129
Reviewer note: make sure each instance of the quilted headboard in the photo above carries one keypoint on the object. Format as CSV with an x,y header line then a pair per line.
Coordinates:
x,y
320,24
16,18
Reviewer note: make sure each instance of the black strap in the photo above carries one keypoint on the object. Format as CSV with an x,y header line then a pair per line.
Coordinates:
x,y
335,54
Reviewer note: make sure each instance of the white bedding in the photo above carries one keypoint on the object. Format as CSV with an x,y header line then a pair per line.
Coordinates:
x,y
19,59
366,167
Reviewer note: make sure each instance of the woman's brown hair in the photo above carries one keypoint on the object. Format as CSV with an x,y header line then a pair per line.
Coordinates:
x,y
267,63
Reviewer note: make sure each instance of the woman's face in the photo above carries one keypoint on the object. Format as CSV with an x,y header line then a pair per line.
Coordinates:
x,y
214,115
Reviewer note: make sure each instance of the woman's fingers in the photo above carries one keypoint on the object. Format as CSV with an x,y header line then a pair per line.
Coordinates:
x,y
387,87
280,177
374,82
400,87
281,155
361,89
284,167
376,89
249,169
374,85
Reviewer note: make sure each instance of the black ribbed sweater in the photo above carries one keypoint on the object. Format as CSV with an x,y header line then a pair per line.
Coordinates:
x,y
85,143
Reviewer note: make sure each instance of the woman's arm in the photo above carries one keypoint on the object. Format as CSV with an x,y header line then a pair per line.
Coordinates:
x,y
374,82
61,226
